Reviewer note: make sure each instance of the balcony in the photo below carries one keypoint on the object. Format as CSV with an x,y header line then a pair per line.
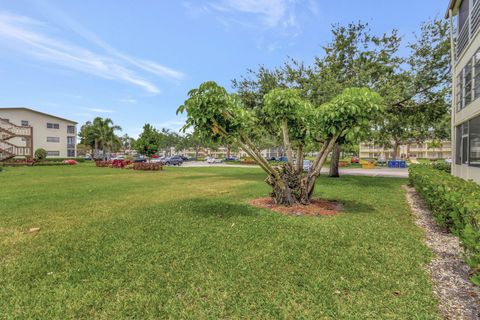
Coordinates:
x,y
469,29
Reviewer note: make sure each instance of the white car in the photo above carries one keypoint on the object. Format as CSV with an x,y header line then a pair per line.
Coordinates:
x,y
212,160
307,164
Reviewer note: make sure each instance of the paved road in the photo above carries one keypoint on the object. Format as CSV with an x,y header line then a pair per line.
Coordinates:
x,y
378,172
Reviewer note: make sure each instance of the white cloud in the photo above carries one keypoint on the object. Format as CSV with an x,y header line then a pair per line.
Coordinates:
x,y
100,110
23,34
273,13
146,65
174,125
280,21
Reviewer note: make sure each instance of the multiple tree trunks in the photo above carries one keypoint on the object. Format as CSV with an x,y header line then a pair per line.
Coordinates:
x,y
291,187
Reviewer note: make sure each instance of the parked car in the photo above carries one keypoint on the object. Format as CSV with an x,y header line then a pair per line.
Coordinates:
x,y
212,160
355,160
231,158
448,160
139,159
282,159
118,157
382,161
307,164
88,157
158,160
272,159
174,161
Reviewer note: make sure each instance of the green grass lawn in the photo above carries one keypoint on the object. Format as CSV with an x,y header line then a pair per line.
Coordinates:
x,y
183,243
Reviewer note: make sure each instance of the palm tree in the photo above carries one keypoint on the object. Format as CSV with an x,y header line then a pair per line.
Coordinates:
x,y
126,142
104,134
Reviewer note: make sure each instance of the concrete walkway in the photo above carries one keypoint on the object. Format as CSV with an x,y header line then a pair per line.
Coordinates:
x,y
377,172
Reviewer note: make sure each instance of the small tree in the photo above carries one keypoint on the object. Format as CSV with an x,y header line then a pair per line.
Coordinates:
x,y
219,116
148,141
40,154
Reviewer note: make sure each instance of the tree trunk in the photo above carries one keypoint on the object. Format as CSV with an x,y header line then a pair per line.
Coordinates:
x,y
95,153
196,154
334,163
395,150
286,189
286,142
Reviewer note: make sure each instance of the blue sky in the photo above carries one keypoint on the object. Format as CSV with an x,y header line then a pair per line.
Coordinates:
x,y
134,61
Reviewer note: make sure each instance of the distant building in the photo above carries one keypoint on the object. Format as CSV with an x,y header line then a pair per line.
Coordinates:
x,y
426,150
464,16
23,130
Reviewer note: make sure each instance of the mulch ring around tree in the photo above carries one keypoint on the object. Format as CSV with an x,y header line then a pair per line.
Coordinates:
x,y
318,207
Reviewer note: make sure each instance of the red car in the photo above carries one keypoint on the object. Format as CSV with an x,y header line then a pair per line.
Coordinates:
x,y
355,160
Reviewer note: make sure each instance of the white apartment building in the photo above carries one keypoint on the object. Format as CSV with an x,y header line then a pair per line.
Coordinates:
x,y
464,17
23,130
424,150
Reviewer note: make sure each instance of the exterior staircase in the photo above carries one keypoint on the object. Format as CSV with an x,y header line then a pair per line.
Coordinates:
x,y
9,150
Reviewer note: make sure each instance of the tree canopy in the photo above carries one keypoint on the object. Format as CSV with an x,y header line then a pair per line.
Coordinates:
x,y
220,116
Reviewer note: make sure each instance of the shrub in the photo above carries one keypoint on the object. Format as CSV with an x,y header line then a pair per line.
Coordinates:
x,y
147,166
443,166
40,154
1,168
104,164
63,159
455,204
70,162
49,164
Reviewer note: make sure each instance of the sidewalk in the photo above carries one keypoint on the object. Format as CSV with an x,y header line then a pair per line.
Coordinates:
x,y
377,172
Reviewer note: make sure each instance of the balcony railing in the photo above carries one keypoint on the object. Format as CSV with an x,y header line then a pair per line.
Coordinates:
x,y
469,29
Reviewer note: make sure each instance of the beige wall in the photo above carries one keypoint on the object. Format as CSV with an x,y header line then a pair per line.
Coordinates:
x,y
422,150
40,131
470,111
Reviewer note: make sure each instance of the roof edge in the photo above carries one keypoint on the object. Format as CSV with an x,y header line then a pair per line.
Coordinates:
x,y
451,6
39,112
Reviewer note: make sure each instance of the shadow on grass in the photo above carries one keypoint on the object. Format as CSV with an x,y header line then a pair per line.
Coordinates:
x,y
218,208
354,206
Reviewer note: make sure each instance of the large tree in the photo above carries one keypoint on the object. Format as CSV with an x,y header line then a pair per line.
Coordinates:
x,y
414,85
100,134
148,142
222,117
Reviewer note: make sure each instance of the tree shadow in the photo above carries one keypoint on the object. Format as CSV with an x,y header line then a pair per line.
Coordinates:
x,y
354,206
219,208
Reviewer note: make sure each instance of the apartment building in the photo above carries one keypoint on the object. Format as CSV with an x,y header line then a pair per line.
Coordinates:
x,y
464,18
23,130
425,150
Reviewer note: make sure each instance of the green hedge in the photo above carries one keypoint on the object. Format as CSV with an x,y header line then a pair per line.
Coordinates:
x,y
49,164
442,166
62,159
455,204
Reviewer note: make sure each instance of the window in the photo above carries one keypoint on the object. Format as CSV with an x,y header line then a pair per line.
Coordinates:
x,y
476,75
70,142
474,142
53,139
461,148
467,74
70,153
70,129
53,153
459,96
53,125
24,123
